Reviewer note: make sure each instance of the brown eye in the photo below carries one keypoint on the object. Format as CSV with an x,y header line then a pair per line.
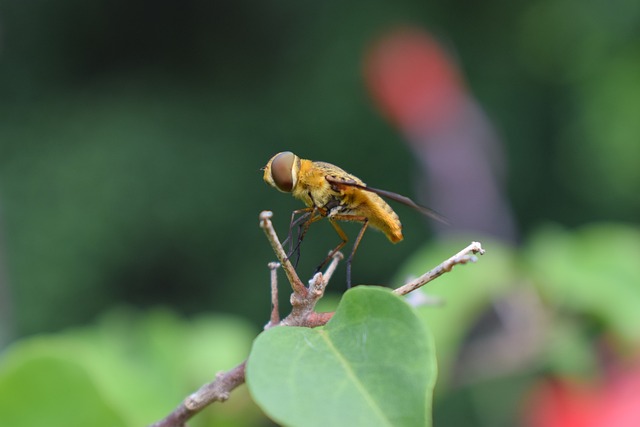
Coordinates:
x,y
282,170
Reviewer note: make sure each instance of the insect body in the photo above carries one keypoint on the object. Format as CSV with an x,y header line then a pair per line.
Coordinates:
x,y
328,191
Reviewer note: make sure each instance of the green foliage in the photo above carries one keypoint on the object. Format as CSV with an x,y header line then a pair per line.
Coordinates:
x,y
129,370
120,200
592,271
37,390
373,364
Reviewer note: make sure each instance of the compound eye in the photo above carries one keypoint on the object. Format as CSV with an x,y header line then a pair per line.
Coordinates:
x,y
282,170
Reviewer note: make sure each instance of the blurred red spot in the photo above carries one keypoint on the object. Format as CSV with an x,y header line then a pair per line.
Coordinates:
x,y
564,403
412,80
556,403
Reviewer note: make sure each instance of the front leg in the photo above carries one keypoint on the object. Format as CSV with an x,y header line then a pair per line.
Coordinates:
x,y
293,223
310,215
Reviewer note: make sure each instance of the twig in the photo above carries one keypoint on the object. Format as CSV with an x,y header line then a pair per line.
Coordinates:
x,y
464,256
216,391
275,313
337,257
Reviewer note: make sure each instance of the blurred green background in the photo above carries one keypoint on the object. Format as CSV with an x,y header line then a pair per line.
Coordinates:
x,y
132,134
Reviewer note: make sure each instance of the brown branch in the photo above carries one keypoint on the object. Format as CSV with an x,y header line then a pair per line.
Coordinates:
x,y
303,302
464,256
275,313
216,391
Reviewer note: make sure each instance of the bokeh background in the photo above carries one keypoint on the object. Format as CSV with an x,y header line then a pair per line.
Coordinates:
x,y
131,138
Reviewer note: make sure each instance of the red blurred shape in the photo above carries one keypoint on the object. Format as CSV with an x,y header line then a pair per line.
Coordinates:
x,y
559,403
563,403
413,80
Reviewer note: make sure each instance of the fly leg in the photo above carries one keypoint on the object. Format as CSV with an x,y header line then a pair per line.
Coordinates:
x,y
293,223
310,215
365,224
343,236
344,241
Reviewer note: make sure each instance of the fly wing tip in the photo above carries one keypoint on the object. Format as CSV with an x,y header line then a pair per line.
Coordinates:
x,y
434,215
443,220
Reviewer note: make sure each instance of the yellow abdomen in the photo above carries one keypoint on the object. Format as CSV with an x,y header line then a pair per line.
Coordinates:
x,y
387,221
380,215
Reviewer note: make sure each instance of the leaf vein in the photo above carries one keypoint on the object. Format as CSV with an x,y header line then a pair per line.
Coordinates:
x,y
344,362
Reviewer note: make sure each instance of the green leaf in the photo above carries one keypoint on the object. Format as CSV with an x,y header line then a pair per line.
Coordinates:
x,y
49,391
373,364
593,271
136,365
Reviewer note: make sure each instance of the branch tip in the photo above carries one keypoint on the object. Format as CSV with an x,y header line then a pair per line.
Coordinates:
x,y
266,215
273,265
318,277
476,247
